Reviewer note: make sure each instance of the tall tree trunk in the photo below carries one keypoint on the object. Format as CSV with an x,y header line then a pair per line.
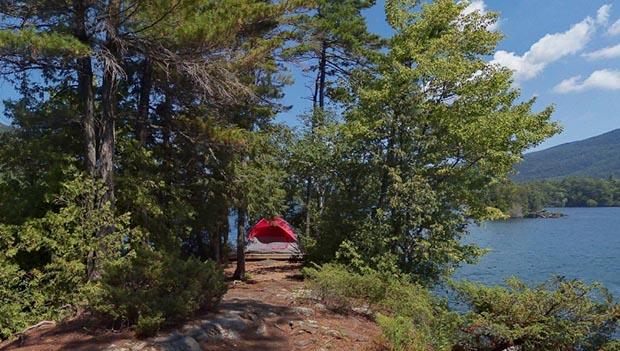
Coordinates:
x,y
165,112
111,69
215,245
216,237
105,162
308,199
86,93
318,103
241,218
146,85
389,162
86,90
322,75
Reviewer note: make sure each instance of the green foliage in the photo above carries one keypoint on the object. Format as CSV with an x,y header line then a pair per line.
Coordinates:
x,y
341,289
34,43
402,335
148,325
558,315
425,132
151,289
520,199
595,157
410,317
182,96
36,158
43,266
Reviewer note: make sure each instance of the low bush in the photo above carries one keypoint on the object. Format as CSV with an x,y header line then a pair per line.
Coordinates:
x,y
43,265
341,289
557,315
150,289
401,335
411,319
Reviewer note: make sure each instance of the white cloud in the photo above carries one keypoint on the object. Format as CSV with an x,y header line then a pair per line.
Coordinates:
x,y
614,29
602,15
551,48
604,53
479,6
603,79
476,5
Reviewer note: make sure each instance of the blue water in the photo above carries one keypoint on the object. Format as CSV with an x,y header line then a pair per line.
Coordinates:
x,y
584,245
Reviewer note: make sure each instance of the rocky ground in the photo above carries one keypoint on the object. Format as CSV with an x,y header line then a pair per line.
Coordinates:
x,y
269,312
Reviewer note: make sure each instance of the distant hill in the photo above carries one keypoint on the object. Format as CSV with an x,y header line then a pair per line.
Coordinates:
x,y
3,127
597,157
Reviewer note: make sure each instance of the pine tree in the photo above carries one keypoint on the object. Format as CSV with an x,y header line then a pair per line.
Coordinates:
x,y
334,41
425,135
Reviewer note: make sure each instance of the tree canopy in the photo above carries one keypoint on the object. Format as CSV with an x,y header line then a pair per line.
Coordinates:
x,y
143,129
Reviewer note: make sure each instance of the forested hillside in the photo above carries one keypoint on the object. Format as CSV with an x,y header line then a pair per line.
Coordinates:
x,y
597,157
528,198
141,127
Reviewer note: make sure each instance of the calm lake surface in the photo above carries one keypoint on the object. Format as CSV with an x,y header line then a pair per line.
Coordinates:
x,y
585,245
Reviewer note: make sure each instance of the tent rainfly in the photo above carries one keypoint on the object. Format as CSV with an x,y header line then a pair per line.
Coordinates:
x,y
273,236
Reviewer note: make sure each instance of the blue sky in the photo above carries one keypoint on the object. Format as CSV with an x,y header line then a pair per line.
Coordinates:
x,y
566,53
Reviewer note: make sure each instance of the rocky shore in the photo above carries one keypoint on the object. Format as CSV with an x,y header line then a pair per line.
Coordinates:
x,y
544,214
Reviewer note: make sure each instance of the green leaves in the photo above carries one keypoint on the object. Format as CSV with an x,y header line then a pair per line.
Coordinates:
x,y
557,315
43,267
153,289
409,316
34,43
424,134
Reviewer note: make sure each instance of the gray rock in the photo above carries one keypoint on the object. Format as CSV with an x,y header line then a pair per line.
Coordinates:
x,y
213,330
232,325
320,307
355,336
333,333
262,330
137,345
303,343
303,311
196,332
363,310
310,326
249,315
217,330
179,343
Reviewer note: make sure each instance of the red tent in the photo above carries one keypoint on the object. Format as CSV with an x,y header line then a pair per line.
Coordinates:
x,y
272,236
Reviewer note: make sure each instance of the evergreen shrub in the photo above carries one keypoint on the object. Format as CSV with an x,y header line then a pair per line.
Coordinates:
x,y
151,289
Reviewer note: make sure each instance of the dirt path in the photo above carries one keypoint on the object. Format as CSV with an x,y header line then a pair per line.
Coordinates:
x,y
267,313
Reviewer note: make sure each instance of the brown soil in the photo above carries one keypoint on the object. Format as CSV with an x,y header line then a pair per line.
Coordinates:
x,y
274,288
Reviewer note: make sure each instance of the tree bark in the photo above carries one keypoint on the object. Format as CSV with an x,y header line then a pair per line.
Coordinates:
x,y
164,111
318,103
105,160
86,91
216,237
86,94
322,75
389,162
109,98
241,218
146,85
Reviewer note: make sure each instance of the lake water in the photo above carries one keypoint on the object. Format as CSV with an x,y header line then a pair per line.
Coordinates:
x,y
585,245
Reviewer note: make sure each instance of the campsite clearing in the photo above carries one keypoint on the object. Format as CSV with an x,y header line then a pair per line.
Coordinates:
x,y
266,313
